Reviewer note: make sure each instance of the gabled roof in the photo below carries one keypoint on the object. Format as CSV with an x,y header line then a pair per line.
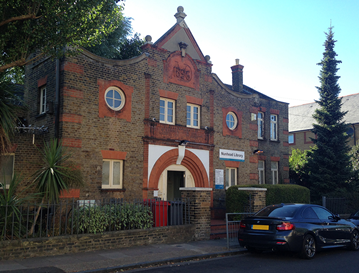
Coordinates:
x,y
301,116
250,91
180,33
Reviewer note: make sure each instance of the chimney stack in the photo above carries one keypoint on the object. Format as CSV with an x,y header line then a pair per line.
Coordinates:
x,y
237,77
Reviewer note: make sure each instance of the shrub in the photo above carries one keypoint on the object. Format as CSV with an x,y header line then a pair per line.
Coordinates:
x,y
96,219
238,201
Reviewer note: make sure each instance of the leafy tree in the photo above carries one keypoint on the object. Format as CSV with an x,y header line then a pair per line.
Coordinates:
x,y
354,155
298,167
119,44
47,26
9,105
130,48
329,162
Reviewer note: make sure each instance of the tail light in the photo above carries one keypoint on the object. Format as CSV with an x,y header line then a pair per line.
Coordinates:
x,y
286,226
242,225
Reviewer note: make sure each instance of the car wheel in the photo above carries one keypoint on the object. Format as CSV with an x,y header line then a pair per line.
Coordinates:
x,y
309,247
354,241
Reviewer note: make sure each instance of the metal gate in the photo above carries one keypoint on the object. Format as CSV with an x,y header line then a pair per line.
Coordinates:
x,y
232,226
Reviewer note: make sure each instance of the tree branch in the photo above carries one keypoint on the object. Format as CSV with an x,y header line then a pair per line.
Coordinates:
x,y
19,18
20,62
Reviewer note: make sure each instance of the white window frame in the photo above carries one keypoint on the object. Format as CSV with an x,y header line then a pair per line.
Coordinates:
x,y
273,127
1,171
228,121
191,119
261,172
110,184
166,116
291,138
260,125
274,171
122,95
42,108
229,177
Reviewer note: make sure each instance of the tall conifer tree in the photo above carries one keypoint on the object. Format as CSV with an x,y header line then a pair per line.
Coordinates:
x,y
329,162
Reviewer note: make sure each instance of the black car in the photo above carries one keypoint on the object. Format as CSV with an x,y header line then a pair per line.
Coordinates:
x,y
354,218
300,228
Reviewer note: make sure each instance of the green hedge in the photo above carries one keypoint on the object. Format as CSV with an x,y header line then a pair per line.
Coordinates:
x,y
237,201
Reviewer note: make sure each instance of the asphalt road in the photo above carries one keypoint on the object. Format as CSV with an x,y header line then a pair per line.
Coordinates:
x,y
333,260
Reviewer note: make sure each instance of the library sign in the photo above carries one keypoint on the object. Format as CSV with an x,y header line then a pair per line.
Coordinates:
x,y
231,155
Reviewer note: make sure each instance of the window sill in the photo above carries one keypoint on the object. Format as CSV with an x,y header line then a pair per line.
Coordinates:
x,y
40,115
112,190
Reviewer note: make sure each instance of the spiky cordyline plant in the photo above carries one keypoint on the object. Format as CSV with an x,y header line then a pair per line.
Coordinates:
x,y
10,201
56,173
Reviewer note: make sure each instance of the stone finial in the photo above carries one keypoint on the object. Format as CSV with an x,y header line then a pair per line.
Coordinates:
x,y
180,15
208,59
148,39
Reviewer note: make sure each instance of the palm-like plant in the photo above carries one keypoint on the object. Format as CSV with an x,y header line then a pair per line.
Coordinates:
x,y
10,201
56,173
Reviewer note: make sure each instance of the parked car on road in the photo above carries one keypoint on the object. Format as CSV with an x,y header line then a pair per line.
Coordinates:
x,y
354,217
303,228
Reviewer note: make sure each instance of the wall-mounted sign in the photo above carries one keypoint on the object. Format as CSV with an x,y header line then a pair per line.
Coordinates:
x,y
231,155
219,179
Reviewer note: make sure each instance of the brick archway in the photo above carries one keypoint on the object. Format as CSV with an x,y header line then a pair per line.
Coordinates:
x,y
190,161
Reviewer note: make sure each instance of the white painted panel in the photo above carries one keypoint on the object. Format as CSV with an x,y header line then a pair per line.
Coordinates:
x,y
154,153
204,157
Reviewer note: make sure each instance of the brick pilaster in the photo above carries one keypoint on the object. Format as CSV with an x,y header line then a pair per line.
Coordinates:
x,y
200,213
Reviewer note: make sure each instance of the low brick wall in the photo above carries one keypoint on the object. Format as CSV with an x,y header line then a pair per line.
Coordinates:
x,y
37,247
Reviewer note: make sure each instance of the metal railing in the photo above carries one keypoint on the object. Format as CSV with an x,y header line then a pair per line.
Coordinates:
x,y
336,205
232,226
89,216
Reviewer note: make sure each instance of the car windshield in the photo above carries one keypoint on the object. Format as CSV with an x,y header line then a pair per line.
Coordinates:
x,y
278,211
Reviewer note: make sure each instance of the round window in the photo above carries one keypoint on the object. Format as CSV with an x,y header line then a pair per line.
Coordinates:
x,y
231,120
115,98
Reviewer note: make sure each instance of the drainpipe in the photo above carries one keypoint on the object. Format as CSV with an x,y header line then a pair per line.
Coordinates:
x,y
355,142
57,99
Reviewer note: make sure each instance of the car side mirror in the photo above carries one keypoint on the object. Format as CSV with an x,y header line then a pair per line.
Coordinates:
x,y
334,217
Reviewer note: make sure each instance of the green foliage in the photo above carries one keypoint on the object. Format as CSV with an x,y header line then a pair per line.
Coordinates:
x,y
118,44
354,155
10,201
132,216
130,47
329,162
9,105
289,193
48,26
96,219
298,169
56,172
238,201
92,219
15,75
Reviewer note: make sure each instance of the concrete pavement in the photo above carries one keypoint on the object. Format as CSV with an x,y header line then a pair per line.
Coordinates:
x,y
122,258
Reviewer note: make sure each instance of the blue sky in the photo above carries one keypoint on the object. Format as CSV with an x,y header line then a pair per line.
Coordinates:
x,y
278,42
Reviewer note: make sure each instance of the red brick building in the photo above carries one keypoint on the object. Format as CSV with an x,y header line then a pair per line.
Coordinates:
x,y
150,125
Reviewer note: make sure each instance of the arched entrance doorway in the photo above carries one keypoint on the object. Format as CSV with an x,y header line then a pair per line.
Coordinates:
x,y
173,178
191,168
